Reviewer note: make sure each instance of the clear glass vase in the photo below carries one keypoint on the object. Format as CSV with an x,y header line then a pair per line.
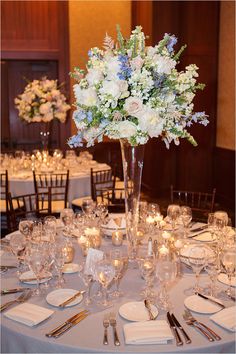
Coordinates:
x,y
44,135
132,159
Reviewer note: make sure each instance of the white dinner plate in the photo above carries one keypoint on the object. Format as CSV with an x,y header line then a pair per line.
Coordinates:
x,y
27,275
204,237
136,311
197,304
70,268
225,280
57,297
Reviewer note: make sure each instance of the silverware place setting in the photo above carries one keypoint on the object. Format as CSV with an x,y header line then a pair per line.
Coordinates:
x,y
22,298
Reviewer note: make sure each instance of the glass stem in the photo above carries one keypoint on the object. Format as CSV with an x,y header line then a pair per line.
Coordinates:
x,y
197,282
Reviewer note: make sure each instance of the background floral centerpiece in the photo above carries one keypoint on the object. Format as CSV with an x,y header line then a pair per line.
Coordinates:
x,y
42,101
135,92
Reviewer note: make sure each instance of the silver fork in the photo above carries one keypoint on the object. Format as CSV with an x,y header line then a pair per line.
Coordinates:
x,y
189,317
105,325
22,298
113,324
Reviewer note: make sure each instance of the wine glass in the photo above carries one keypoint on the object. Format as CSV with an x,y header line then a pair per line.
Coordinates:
x,y
211,224
88,206
166,273
212,267
50,223
147,269
186,217
67,216
87,280
105,272
173,213
36,262
197,260
17,244
153,209
117,261
229,260
101,211
26,227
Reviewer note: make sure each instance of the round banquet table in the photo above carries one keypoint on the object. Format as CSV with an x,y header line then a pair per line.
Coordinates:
x,y
79,182
87,336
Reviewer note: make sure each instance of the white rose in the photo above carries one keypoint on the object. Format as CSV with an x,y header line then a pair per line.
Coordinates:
x,y
126,129
163,65
137,63
133,105
94,76
150,122
87,97
113,68
110,88
45,108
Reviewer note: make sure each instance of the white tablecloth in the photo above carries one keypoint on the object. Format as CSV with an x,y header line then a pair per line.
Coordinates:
x,y
87,336
79,182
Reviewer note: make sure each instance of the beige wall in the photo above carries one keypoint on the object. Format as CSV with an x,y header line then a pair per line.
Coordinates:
x,y
88,23
226,84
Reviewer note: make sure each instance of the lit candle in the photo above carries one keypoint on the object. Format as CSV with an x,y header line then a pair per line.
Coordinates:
x,y
117,238
178,244
166,235
148,265
94,236
69,252
150,220
163,250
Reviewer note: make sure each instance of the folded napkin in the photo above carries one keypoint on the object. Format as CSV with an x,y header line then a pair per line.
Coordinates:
x,y
148,332
226,318
115,223
29,314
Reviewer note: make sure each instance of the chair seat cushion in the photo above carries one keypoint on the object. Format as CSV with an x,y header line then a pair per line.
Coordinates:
x,y
119,184
56,205
78,201
14,202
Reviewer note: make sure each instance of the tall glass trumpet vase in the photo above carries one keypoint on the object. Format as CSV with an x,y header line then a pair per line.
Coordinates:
x,y
44,135
132,159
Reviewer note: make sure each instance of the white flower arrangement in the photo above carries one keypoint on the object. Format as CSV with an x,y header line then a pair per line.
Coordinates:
x,y
135,92
42,101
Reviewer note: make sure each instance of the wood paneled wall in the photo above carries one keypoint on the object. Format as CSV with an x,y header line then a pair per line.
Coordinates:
x,y
34,43
194,23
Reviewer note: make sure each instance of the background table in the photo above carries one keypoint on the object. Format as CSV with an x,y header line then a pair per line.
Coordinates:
x,y
87,336
79,182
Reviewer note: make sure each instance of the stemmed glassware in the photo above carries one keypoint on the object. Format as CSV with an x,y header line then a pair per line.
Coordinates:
x,y
197,260
26,227
17,245
50,226
67,216
173,213
229,261
211,224
87,280
101,211
186,217
117,261
147,269
166,272
36,261
88,206
105,272
213,269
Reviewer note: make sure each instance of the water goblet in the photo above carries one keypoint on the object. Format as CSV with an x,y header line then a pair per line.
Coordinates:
x,y
36,262
173,213
105,272
166,273
67,216
147,269
17,245
186,217
211,224
101,211
228,259
87,280
212,267
117,261
50,223
88,206
197,260
26,227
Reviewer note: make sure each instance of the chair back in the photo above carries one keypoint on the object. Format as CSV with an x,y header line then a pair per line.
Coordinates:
x,y
28,206
4,190
199,202
57,182
100,181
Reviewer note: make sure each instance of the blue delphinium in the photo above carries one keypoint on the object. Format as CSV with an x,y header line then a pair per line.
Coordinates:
x,y
76,140
158,79
126,70
172,41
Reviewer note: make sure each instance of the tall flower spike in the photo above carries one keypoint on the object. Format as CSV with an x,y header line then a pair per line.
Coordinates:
x,y
108,42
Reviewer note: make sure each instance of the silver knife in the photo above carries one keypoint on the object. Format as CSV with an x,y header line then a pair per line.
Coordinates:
x,y
70,325
64,324
174,330
211,300
12,291
72,298
199,228
186,337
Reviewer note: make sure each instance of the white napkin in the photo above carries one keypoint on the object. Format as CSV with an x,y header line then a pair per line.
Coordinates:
x,y
29,314
148,332
226,318
116,223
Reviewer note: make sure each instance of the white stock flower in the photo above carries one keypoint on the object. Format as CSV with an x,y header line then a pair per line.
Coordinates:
x,y
163,65
87,97
150,122
113,68
45,108
94,76
137,63
133,105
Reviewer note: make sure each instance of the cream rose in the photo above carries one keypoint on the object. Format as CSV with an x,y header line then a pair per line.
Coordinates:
x,y
150,122
133,105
